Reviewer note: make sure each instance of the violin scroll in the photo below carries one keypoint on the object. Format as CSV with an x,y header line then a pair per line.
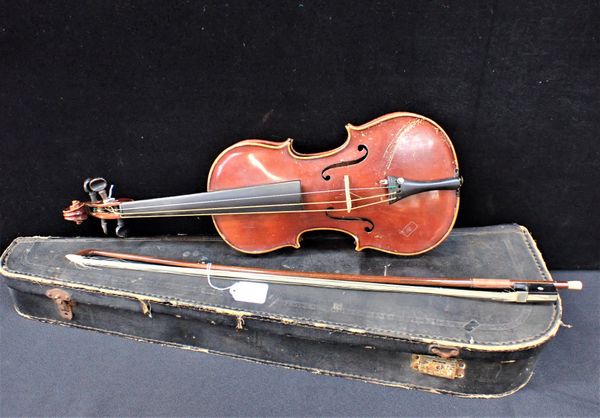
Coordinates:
x,y
77,212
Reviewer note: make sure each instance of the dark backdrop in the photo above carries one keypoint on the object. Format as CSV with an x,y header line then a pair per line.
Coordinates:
x,y
148,94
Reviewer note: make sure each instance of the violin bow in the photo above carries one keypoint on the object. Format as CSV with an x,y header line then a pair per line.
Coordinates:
x,y
502,290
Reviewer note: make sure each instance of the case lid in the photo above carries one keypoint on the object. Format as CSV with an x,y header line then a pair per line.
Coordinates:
x,y
504,251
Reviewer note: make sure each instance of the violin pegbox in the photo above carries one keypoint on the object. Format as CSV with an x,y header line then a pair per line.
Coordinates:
x,y
101,205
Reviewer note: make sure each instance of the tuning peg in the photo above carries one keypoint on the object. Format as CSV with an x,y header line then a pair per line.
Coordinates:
x,y
86,188
96,188
98,185
121,230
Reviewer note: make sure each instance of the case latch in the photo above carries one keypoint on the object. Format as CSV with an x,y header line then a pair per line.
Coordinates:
x,y
439,367
444,352
63,302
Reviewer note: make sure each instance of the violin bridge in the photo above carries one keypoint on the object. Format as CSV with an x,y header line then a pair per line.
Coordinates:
x,y
347,193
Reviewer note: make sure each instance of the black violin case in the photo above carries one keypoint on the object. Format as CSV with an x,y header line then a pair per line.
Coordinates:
x,y
467,347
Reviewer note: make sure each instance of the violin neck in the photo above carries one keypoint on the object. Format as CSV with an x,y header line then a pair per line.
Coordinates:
x,y
275,197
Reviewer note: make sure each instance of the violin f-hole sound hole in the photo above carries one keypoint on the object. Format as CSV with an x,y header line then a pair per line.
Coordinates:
x,y
351,218
361,148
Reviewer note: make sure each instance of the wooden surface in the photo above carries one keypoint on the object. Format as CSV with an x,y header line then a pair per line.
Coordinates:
x,y
399,144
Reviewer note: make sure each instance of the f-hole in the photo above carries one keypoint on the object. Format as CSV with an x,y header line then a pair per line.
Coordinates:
x,y
361,148
351,218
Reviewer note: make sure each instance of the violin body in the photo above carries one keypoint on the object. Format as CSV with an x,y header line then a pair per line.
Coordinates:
x,y
393,186
401,144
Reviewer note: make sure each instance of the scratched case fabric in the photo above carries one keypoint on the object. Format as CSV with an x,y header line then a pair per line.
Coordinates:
x,y
395,339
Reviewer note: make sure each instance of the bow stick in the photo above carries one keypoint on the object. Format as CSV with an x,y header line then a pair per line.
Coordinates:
x,y
504,290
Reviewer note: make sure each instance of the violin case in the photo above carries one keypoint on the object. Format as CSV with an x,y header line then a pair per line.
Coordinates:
x,y
443,344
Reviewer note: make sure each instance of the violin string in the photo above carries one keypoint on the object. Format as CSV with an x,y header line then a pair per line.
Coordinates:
x,y
259,197
126,215
217,211
172,214
259,213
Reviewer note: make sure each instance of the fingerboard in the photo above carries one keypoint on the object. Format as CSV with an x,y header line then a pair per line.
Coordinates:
x,y
284,196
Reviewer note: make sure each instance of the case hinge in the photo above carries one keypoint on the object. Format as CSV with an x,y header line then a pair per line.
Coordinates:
x,y
439,367
62,301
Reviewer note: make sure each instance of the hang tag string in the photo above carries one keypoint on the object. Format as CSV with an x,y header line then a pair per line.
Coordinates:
x,y
208,266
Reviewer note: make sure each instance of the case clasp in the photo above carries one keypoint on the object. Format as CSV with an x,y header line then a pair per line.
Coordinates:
x,y
444,352
62,301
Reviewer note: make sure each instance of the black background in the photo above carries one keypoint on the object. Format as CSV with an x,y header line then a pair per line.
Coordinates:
x,y
149,93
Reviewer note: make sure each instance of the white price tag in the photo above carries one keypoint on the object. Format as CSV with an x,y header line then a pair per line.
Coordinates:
x,y
249,292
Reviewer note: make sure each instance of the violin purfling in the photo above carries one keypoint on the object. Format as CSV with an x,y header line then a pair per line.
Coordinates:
x,y
393,185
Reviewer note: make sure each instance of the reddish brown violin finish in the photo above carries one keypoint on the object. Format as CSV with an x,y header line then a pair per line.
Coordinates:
x,y
349,189
398,144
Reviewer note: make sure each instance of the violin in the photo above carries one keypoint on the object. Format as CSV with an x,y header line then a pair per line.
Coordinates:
x,y
393,185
